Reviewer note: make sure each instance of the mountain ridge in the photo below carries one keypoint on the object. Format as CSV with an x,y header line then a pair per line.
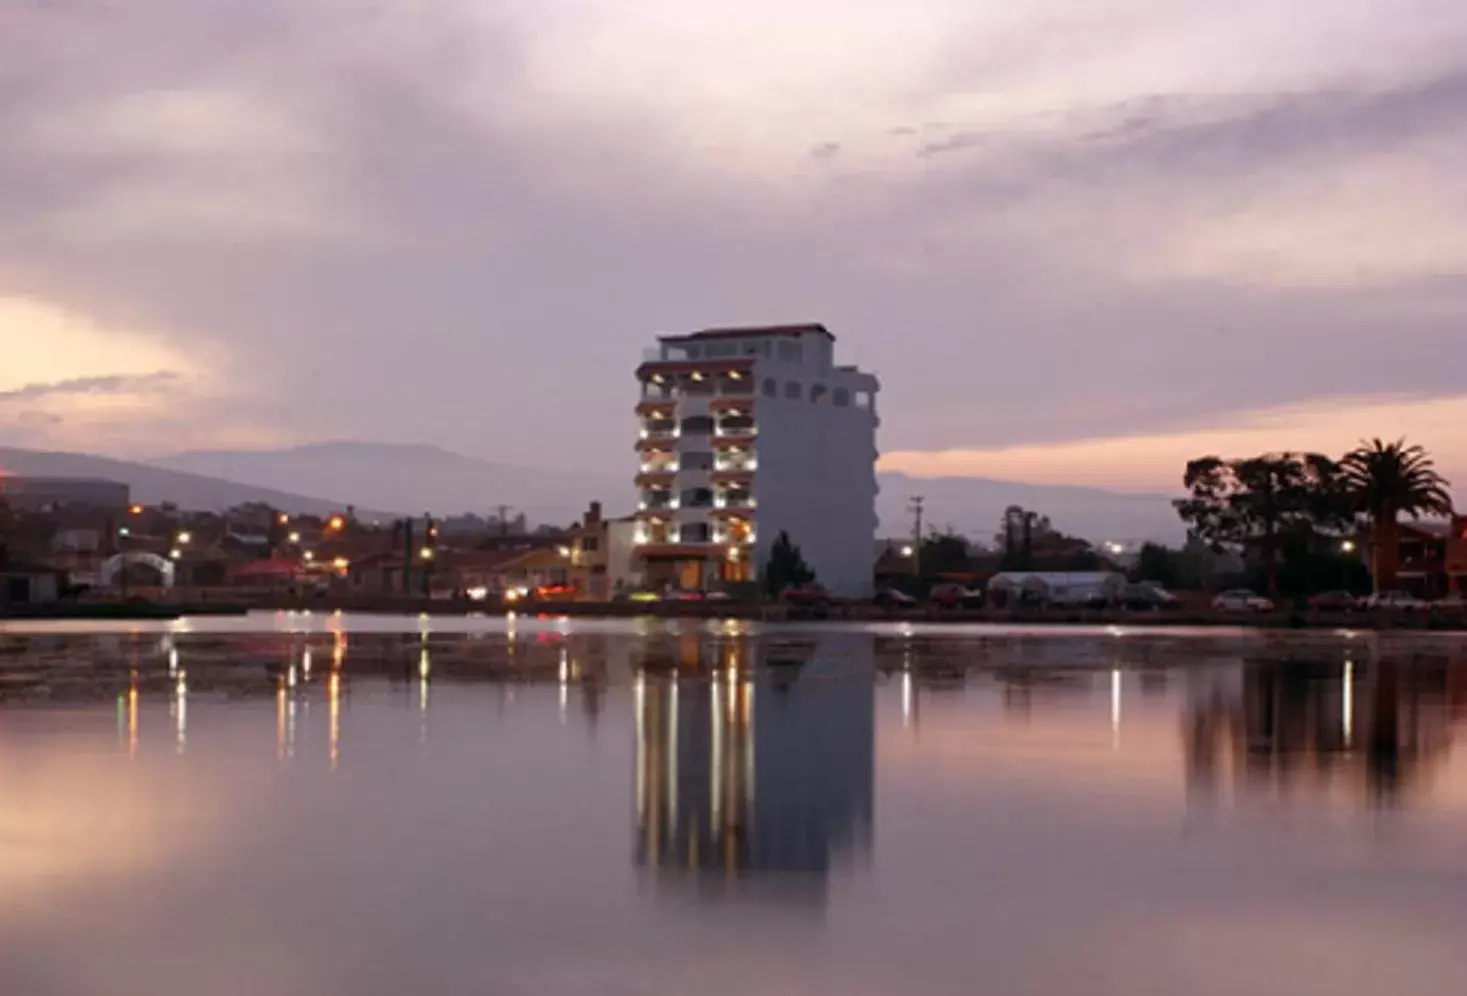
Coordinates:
x,y
412,478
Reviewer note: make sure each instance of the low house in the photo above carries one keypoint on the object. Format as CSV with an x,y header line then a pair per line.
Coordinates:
x,y
1056,588
600,551
28,584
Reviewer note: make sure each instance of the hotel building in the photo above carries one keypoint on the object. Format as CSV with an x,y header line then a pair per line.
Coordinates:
x,y
747,432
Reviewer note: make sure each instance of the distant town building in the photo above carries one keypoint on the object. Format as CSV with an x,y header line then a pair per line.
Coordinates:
x,y
37,494
747,432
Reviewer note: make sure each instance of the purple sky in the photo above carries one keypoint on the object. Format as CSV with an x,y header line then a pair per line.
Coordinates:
x,y
1080,240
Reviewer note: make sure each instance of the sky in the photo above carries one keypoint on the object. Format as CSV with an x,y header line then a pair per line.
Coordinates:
x,y
1080,241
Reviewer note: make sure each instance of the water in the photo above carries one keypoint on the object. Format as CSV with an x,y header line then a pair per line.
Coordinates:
x,y
320,805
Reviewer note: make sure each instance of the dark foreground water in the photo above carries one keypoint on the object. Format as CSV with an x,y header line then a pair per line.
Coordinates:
x,y
364,807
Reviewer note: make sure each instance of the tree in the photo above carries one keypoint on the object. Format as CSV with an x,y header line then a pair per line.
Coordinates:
x,y
1251,504
1019,530
945,553
1385,481
786,567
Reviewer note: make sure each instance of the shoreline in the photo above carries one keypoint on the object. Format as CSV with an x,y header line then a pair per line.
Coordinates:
x,y
751,611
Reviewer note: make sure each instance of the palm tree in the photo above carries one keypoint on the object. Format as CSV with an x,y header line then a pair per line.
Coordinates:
x,y
1387,480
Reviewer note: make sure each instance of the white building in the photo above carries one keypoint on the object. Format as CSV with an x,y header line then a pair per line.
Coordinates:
x,y
745,433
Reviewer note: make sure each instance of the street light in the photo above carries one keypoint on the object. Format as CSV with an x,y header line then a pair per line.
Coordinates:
x,y
907,550
185,538
1348,546
294,537
427,553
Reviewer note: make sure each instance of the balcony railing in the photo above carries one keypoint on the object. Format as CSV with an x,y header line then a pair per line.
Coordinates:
x,y
738,464
735,499
739,425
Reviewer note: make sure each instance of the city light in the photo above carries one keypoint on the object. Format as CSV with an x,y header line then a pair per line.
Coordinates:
x,y
426,553
564,551
308,556
124,531
1348,546
336,523
294,537
175,554
185,538
284,519
908,550
136,510
341,563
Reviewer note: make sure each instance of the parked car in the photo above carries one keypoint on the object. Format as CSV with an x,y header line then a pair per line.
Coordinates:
x,y
1452,604
1241,600
892,598
806,595
1333,601
1144,597
955,596
1394,601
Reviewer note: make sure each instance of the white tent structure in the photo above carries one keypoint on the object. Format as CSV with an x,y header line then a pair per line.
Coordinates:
x,y
1058,588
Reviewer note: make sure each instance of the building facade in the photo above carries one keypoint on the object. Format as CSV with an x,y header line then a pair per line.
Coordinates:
x,y
745,433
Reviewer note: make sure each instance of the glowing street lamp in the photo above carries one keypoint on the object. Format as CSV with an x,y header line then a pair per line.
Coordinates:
x,y
907,550
1348,546
426,553
185,538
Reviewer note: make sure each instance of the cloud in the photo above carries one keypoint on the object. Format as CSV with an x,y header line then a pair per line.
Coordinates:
x,y
1154,461
345,219
115,384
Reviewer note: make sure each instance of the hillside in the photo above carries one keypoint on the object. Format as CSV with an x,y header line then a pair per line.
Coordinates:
x,y
416,479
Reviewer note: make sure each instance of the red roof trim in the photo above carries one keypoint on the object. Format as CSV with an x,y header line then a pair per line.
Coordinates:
x,y
751,332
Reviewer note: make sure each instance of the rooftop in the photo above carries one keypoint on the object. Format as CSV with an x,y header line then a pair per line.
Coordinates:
x,y
751,332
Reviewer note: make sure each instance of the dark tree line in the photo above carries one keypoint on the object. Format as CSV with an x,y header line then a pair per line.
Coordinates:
x,y
1306,503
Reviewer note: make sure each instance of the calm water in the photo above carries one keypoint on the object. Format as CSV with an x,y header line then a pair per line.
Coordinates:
x,y
328,805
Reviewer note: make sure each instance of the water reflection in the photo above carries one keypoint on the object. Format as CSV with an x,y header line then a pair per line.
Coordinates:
x,y
1377,728
557,809
755,764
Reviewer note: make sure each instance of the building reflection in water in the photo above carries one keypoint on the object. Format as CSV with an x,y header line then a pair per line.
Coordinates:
x,y
755,763
1375,730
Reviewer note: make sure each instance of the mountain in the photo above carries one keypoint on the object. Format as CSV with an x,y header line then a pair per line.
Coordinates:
x,y
154,485
974,506
413,479
430,479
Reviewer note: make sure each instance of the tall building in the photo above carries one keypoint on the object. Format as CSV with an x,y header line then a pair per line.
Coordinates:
x,y
745,433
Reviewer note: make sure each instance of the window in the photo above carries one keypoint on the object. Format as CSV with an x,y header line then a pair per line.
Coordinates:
x,y
589,544
789,351
792,390
702,460
863,399
771,387
697,425
817,394
842,398
694,532
697,498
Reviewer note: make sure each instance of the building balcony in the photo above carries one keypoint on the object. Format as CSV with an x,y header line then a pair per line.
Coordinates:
x,y
655,444
736,425
697,425
734,501
657,481
656,408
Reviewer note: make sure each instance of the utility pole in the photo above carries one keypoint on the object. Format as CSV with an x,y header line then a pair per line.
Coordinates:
x,y
503,511
916,509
